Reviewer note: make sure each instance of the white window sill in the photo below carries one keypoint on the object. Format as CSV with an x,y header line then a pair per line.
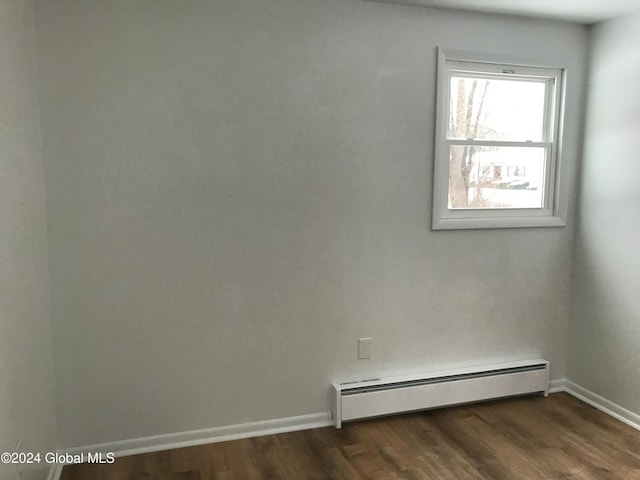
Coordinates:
x,y
503,222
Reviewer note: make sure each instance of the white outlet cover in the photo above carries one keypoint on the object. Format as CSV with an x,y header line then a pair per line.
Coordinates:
x,y
364,348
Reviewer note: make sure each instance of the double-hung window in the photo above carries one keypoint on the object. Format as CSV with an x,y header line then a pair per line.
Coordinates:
x,y
496,146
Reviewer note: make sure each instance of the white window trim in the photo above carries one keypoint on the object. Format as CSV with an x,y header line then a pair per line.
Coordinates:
x,y
554,211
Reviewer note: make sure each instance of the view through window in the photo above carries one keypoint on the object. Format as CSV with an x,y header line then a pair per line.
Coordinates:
x,y
491,175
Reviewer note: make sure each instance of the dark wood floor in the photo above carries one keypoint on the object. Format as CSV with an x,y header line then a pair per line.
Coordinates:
x,y
526,438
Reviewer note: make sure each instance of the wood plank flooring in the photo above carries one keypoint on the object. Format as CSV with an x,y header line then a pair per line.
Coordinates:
x,y
525,438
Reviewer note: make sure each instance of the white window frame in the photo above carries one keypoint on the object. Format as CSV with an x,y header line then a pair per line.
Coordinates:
x,y
553,211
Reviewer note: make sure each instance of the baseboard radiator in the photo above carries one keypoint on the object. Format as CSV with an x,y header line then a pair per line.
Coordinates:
x,y
386,396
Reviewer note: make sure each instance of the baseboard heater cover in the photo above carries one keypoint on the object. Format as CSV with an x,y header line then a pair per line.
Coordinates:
x,y
386,396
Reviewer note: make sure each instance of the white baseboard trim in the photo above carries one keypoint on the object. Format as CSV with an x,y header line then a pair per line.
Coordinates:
x,y
558,385
587,396
612,409
170,441
193,438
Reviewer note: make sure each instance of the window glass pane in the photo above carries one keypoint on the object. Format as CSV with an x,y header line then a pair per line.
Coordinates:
x,y
496,177
496,109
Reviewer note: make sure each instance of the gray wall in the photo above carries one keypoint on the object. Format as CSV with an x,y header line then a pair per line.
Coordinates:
x,y
27,401
238,190
605,324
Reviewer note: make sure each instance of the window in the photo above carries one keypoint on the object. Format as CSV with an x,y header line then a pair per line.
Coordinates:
x,y
496,146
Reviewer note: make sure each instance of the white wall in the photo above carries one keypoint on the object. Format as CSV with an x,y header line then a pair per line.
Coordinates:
x,y
27,400
238,190
605,323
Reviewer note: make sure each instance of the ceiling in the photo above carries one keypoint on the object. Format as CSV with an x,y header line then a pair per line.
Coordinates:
x,y
582,11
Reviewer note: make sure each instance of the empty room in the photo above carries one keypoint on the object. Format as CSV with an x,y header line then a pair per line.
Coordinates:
x,y
319,239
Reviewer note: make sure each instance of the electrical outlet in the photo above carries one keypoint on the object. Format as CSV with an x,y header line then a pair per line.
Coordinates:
x,y
364,348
